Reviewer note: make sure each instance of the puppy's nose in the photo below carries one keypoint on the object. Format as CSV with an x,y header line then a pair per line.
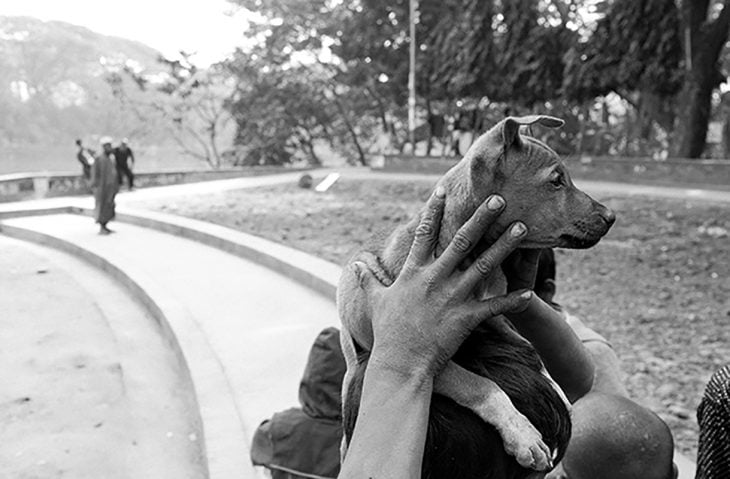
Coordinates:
x,y
608,215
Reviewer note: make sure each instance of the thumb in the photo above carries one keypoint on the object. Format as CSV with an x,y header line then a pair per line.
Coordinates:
x,y
514,302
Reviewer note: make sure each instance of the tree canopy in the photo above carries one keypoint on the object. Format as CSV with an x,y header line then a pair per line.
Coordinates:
x,y
334,71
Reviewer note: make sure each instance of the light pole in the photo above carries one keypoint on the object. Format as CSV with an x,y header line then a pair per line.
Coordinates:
x,y
413,12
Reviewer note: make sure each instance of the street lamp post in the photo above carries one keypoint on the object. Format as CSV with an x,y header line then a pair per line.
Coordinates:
x,y
413,12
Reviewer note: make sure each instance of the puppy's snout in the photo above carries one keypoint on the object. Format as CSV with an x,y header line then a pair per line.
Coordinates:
x,y
608,215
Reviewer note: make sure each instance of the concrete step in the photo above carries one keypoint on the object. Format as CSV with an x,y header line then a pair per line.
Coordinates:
x,y
231,318
86,369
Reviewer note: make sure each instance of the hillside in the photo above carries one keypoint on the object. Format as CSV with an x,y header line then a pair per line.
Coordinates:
x,y
52,82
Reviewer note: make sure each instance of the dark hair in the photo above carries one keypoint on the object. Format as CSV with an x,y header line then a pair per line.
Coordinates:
x,y
78,141
459,445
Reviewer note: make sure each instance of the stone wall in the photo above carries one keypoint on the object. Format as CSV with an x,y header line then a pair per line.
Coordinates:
x,y
30,186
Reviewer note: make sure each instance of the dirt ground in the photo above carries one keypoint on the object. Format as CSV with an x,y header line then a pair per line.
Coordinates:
x,y
657,286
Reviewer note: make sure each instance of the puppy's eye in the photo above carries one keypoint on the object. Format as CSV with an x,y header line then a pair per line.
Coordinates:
x,y
557,180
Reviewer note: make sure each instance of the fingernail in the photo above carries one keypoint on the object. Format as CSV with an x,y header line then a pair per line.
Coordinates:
x,y
495,202
526,295
518,230
440,191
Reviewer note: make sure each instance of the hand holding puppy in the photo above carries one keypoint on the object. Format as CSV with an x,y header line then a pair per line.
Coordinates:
x,y
423,317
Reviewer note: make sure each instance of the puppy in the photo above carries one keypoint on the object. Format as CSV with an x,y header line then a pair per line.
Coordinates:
x,y
539,192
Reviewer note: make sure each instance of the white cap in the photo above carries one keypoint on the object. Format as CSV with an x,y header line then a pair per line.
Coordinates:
x,y
125,140
105,140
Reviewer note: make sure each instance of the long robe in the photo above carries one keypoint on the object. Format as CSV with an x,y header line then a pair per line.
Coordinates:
x,y
105,184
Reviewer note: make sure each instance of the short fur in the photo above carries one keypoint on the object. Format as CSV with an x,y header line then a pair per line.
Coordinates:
x,y
538,191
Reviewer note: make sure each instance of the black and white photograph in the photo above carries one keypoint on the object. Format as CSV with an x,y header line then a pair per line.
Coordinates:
x,y
359,239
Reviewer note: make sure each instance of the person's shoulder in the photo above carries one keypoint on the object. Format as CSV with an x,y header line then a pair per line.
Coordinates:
x,y
584,333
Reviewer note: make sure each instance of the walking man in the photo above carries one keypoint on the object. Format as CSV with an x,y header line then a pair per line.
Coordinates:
x,y
86,158
125,163
105,184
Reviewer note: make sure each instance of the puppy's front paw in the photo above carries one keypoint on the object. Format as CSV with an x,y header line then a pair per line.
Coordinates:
x,y
524,442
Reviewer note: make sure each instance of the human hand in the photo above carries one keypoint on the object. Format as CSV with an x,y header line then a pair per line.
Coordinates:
x,y
423,317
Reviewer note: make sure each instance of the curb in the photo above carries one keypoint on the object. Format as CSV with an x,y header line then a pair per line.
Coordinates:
x,y
223,441
315,273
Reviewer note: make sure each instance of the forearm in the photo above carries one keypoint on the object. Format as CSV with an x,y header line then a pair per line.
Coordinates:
x,y
390,432
562,352
607,376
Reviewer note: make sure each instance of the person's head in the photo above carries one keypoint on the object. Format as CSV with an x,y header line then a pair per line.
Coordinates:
x,y
78,142
459,445
320,391
106,143
124,144
613,437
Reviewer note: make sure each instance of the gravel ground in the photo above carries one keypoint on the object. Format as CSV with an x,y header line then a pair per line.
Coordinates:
x,y
657,286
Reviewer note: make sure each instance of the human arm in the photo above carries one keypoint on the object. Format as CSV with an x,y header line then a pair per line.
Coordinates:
x,y
607,376
418,324
562,351
566,359
262,446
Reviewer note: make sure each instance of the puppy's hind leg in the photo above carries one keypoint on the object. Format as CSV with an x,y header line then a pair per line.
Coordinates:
x,y
487,400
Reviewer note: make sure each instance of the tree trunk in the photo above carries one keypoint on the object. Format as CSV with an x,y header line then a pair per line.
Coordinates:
x,y
350,129
706,40
695,112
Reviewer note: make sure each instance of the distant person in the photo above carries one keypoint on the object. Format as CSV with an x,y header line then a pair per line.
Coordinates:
x,y
86,158
304,442
105,185
125,162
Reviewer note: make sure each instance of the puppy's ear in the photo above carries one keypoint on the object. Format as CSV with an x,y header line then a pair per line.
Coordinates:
x,y
511,126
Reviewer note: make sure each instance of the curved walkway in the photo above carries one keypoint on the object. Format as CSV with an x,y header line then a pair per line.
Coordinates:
x,y
85,372
244,330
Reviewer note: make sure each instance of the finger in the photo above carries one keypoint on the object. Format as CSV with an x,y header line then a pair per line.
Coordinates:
x,y
489,308
470,234
427,231
491,259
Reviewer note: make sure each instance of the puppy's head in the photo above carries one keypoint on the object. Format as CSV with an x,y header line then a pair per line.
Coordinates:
x,y
535,184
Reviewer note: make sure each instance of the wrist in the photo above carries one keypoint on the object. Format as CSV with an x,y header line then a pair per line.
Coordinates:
x,y
411,373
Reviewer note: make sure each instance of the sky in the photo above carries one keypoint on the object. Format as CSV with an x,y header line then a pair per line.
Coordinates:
x,y
211,28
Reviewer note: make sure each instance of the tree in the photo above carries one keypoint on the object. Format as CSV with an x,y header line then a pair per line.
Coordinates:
x,y
705,30
279,111
190,103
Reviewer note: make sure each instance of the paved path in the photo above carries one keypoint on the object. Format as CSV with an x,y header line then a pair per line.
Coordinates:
x,y
258,324
84,371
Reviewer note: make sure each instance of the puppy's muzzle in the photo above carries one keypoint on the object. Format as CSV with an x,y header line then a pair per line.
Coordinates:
x,y
589,231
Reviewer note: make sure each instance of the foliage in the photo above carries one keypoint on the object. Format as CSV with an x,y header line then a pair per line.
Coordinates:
x,y
478,57
188,102
278,111
707,23
635,47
